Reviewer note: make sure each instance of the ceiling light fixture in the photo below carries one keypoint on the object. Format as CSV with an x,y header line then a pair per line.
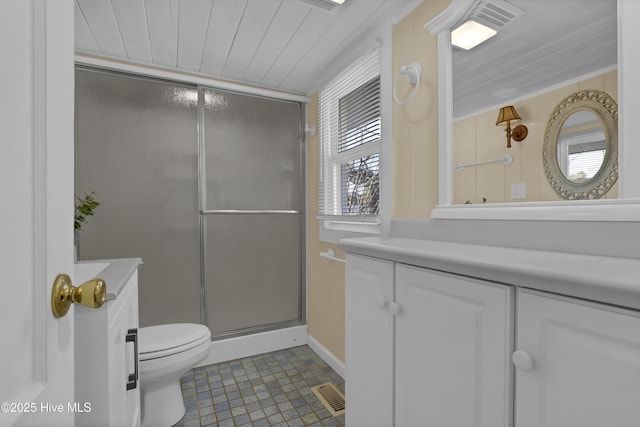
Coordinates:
x,y
330,6
471,34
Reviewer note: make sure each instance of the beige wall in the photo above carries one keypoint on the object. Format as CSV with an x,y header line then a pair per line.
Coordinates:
x,y
478,138
325,279
415,163
415,124
415,177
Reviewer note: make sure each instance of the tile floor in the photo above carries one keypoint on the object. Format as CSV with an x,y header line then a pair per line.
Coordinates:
x,y
271,389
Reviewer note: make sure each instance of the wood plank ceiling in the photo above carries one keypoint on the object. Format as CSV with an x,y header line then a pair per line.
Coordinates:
x,y
292,46
288,45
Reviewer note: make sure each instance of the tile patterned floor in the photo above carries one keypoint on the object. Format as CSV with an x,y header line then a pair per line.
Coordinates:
x,y
271,389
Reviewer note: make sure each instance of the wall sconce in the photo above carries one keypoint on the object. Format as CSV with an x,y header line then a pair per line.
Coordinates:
x,y
507,116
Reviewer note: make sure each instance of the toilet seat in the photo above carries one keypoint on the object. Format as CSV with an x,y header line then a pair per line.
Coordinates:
x,y
166,340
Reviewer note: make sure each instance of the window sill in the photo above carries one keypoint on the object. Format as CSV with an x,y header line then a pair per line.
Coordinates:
x,y
332,230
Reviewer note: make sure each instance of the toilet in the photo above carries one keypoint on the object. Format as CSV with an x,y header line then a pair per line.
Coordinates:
x,y
165,353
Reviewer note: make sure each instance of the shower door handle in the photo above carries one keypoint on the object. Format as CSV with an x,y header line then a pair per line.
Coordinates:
x,y
132,379
250,211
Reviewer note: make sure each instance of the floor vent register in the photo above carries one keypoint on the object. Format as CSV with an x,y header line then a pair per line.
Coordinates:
x,y
330,397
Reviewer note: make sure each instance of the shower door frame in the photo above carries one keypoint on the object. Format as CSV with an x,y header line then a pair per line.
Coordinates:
x,y
202,204
201,191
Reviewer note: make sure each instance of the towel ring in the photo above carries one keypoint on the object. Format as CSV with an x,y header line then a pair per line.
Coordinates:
x,y
414,75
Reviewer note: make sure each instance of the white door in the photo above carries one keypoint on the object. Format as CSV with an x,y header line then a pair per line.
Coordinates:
x,y
36,190
586,364
453,343
369,342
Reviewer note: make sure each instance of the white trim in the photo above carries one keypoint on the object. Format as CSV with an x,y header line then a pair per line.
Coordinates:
x,y
626,208
41,78
250,345
367,227
350,80
447,19
336,67
334,234
445,119
363,150
331,360
386,113
628,99
623,210
184,76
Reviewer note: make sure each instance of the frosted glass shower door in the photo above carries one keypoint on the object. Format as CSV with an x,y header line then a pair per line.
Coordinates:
x,y
137,148
253,222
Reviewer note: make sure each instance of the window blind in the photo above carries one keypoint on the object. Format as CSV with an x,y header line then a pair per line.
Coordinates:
x,y
350,135
359,116
580,157
585,162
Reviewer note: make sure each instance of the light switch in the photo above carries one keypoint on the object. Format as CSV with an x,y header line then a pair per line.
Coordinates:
x,y
519,190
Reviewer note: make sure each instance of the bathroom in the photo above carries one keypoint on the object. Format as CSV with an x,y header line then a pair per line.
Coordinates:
x,y
415,182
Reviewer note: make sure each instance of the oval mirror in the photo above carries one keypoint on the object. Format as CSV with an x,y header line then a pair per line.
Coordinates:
x,y
580,152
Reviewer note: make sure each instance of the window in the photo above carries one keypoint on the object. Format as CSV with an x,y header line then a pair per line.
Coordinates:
x,y
581,154
350,144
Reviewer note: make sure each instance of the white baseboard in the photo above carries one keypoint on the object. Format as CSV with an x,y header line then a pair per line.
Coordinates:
x,y
250,345
335,363
264,342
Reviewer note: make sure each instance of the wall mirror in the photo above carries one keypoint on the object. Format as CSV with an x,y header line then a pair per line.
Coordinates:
x,y
545,47
531,72
539,46
580,152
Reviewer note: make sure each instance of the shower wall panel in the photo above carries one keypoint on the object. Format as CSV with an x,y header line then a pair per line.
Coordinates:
x,y
137,148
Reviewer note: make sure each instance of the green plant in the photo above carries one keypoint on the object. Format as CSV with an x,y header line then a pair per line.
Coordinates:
x,y
85,207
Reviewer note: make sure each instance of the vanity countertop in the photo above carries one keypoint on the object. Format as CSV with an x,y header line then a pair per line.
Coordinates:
x,y
605,279
116,272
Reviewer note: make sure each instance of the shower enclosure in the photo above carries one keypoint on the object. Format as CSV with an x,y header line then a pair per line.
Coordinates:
x,y
206,186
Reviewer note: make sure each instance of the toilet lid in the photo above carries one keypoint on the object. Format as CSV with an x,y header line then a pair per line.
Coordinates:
x,y
163,340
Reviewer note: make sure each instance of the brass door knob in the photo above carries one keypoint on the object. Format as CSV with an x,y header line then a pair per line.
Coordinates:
x,y
91,294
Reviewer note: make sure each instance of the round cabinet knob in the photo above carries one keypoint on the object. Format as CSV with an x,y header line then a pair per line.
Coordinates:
x,y
394,308
522,360
381,303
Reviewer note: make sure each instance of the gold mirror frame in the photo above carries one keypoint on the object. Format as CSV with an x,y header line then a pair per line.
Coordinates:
x,y
603,106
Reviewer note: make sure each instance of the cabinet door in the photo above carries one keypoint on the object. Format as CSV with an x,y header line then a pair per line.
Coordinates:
x,y
369,342
586,364
453,348
124,402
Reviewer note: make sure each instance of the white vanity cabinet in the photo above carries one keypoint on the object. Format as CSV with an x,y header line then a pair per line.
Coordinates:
x,y
432,349
369,342
577,363
106,353
453,345
425,348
